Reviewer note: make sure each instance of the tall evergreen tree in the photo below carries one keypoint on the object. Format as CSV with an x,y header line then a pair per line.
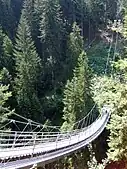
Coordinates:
x,y
5,94
6,53
1,49
32,12
32,17
53,57
51,29
27,73
29,13
75,46
77,94
77,102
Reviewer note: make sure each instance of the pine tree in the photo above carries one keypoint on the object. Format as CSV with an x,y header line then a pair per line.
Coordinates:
x,y
75,46
27,73
4,96
51,30
32,12
51,26
77,94
29,13
1,49
6,54
53,57
6,64
32,15
75,41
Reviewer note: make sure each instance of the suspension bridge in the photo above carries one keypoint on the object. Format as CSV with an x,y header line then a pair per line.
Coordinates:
x,y
24,149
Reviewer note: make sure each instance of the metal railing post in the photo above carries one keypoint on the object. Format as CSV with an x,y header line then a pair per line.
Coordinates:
x,y
78,135
57,139
34,142
14,140
42,136
69,138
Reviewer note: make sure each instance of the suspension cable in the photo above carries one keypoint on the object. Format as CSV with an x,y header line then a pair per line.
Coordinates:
x,y
114,56
109,52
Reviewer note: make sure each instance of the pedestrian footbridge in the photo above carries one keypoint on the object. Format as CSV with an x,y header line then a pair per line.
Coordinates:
x,y
23,149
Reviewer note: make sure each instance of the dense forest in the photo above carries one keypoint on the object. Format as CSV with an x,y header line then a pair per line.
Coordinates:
x,y
58,59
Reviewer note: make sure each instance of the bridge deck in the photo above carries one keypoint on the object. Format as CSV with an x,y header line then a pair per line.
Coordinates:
x,y
53,150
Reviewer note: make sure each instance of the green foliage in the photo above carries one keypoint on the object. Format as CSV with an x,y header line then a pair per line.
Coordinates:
x,y
111,92
38,91
77,94
6,78
51,21
6,56
114,93
1,49
90,14
7,18
118,128
118,125
124,30
105,90
32,10
100,11
29,13
75,46
4,96
93,164
121,69
27,73
51,34
53,57
97,55
75,42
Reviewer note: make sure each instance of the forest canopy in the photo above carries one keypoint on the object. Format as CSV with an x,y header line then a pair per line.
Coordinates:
x,y
61,58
